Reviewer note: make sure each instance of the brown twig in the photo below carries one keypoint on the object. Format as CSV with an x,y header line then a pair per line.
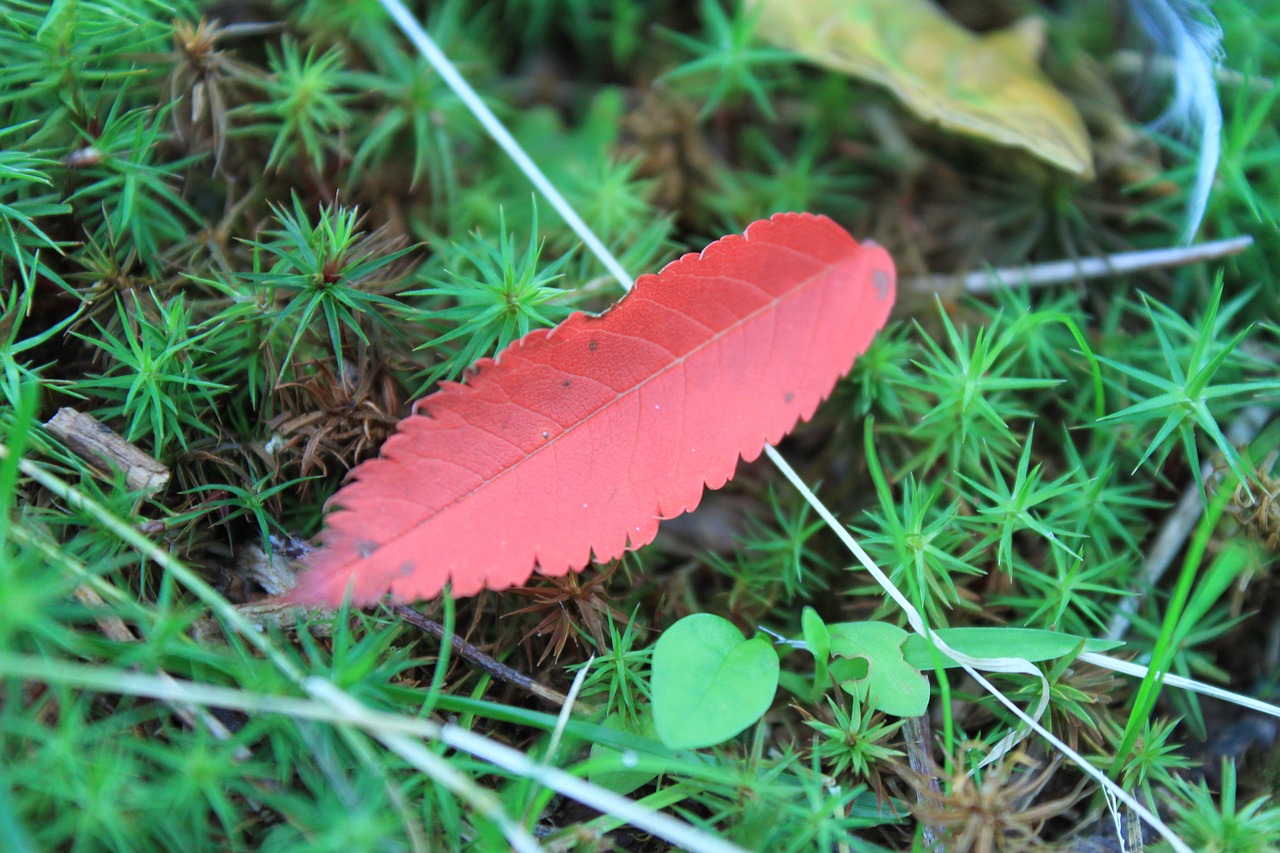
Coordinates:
x,y
474,655
1061,272
919,742
101,447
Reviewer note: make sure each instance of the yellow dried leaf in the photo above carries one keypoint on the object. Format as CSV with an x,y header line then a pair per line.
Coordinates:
x,y
988,86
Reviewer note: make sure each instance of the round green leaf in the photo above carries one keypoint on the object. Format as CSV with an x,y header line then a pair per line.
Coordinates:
x,y
709,683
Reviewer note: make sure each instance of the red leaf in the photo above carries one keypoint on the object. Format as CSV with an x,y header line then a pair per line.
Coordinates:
x,y
579,439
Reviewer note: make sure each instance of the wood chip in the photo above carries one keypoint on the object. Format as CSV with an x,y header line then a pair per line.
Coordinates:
x,y
99,445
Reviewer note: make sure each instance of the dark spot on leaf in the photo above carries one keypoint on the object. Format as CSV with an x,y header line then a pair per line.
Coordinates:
x,y
406,568
567,383
592,346
366,548
880,279
789,396
546,434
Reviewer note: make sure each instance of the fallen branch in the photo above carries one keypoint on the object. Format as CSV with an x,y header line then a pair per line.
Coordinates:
x,y
1079,269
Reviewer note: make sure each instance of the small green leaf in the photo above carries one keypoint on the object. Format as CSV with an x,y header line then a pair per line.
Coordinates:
x,y
891,684
708,682
816,635
818,639
612,767
1026,643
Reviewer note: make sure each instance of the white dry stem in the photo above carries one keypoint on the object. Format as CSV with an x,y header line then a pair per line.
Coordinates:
x,y
566,710
1099,266
1133,62
413,30
1140,671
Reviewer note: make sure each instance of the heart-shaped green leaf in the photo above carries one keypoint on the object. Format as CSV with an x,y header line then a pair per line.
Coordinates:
x,y
709,683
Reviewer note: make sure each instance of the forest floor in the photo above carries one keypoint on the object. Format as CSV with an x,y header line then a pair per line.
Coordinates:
x,y
240,239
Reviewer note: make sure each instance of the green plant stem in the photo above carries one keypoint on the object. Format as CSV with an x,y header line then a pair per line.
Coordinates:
x,y
1189,508
1166,645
